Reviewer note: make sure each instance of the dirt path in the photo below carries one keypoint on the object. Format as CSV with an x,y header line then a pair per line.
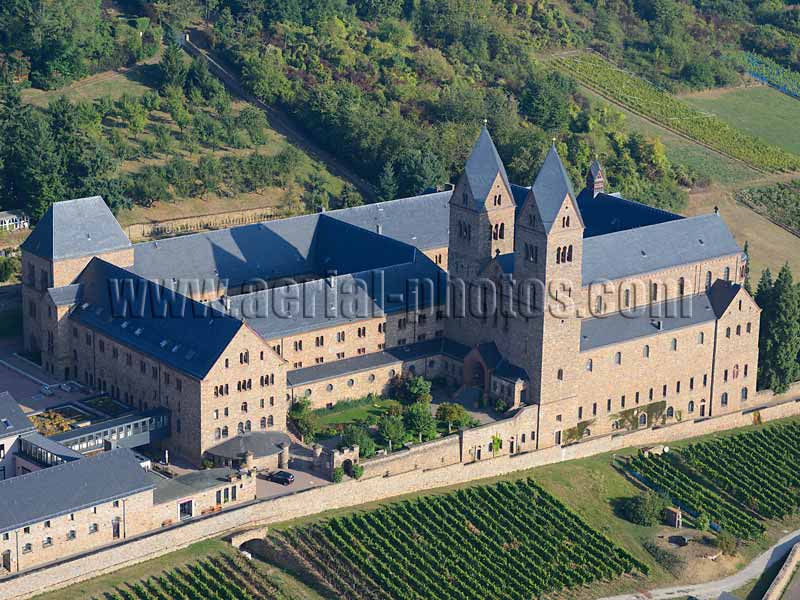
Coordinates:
x,y
279,121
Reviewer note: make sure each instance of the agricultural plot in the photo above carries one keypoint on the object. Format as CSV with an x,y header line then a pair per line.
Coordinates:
x,y
510,540
760,469
664,108
770,72
220,577
663,475
732,480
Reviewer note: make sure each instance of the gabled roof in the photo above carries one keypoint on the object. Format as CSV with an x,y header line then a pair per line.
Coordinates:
x,y
722,294
482,168
656,247
65,295
186,335
551,186
70,487
595,168
74,228
12,420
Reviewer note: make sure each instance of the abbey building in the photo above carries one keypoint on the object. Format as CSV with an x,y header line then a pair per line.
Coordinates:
x,y
586,312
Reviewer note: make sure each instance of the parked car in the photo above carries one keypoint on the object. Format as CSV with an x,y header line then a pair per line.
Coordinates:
x,y
282,477
45,389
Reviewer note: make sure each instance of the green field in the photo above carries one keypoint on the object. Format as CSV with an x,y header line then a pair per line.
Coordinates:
x,y
761,111
680,151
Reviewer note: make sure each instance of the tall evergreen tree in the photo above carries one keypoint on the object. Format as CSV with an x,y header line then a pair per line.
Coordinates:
x,y
782,343
747,283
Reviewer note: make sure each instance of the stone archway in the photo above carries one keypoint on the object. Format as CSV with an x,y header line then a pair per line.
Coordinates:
x,y
347,465
475,372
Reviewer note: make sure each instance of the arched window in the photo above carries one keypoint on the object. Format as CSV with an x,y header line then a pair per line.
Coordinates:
x,y
674,343
225,431
618,358
248,426
646,351
727,332
727,274
558,256
745,370
735,371
560,375
217,433
244,407
670,412
748,328
531,220
263,422
568,221
708,279
502,231
744,393
724,399
691,406
240,428
569,253
738,330
701,337
589,365
643,418
681,286
270,420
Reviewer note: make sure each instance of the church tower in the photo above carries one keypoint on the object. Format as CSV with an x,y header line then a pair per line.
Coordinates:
x,y
595,178
482,212
549,248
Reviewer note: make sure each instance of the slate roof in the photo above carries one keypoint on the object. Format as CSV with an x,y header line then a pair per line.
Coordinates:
x,y
609,213
281,311
482,167
70,487
65,295
52,446
74,228
722,294
190,340
190,484
498,364
259,443
365,362
595,168
286,248
551,186
400,219
673,314
656,247
13,420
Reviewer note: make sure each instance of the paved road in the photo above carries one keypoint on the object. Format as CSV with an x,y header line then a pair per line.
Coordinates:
x,y
713,589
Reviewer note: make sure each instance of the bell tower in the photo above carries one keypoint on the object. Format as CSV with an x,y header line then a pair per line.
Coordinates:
x,y
549,248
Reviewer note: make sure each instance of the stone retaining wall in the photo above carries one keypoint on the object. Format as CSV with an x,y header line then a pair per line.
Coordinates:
x,y
784,577
351,493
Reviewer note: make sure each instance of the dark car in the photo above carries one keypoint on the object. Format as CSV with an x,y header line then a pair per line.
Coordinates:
x,y
282,477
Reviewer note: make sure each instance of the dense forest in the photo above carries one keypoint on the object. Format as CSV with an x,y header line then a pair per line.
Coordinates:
x,y
397,88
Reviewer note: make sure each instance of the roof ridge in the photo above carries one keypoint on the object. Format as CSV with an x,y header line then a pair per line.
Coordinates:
x,y
672,222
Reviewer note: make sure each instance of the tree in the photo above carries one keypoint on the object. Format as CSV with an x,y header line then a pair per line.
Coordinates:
x,y
387,183
209,172
747,284
356,435
304,419
452,414
781,343
172,67
645,509
392,430
419,421
727,543
418,389
263,76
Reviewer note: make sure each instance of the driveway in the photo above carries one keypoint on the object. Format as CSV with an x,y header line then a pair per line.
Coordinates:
x,y
714,589
303,480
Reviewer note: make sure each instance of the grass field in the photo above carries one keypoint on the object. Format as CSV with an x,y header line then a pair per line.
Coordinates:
x,y
346,412
758,110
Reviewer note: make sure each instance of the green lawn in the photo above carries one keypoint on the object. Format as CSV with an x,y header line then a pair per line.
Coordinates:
x,y
351,412
761,111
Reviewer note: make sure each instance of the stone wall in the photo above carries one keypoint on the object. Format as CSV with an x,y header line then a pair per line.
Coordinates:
x,y
350,493
784,577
